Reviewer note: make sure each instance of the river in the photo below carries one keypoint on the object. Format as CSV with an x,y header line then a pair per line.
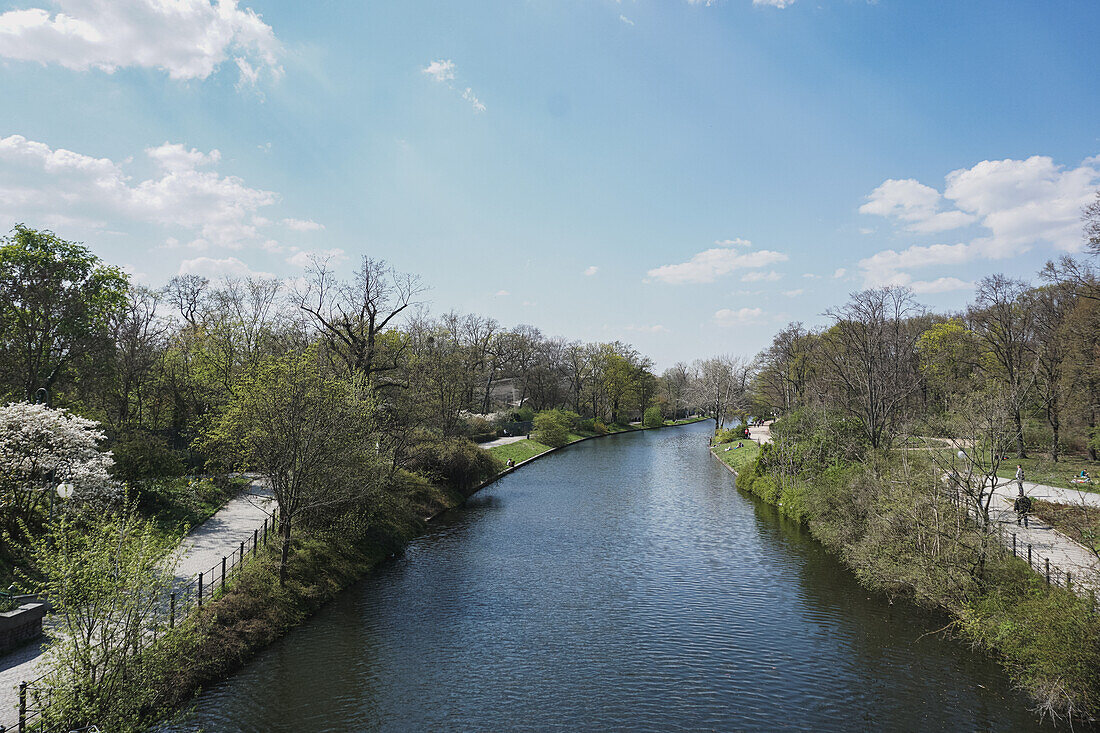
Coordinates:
x,y
623,583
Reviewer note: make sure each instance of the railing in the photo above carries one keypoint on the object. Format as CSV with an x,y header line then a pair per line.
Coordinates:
x,y
1082,585
35,698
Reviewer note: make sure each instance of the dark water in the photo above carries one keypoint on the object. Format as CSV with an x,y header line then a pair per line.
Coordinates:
x,y
621,584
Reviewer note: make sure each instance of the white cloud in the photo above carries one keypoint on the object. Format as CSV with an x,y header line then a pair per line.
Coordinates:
x,y
740,317
736,242
793,293
303,259
709,264
215,269
625,19
839,273
914,203
1020,203
502,293
470,97
774,3
753,277
302,225
38,182
656,328
188,39
940,285
591,270
811,276
442,70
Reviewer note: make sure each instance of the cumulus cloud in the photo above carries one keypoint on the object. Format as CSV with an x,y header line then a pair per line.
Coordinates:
x,y
739,317
186,192
755,277
1020,204
591,270
302,225
303,259
188,39
713,263
215,269
442,70
839,273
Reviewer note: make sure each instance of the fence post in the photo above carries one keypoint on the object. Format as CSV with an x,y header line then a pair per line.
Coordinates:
x,y
255,537
1013,544
223,573
1092,600
200,590
242,552
1069,581
172,612
265,531
22,707
1029,555
1048,570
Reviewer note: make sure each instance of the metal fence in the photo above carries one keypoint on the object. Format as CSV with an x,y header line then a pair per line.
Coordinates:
x,y
1081,584
180,601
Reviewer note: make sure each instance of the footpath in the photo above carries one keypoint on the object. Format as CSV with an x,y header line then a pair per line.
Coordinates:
x,y
1064,554
200,550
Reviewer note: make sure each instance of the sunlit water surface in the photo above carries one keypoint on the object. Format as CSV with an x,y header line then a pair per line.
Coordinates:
x,y
623,583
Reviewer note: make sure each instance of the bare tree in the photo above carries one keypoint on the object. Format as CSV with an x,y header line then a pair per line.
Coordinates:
x,y
721,385
352,315
870,358
186,293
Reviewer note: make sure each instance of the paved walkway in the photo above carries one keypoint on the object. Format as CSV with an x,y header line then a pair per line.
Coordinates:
x,y
762,433
203,548
502,441
1045,541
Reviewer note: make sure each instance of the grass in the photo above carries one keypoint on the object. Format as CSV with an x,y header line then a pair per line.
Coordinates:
x,y
1081,523
738,458
520,450
184,502
1046,471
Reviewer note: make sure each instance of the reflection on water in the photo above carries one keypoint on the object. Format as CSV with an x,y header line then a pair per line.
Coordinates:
x,y
623,583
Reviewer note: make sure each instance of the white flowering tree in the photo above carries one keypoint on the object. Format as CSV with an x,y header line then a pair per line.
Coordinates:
x,y
40,448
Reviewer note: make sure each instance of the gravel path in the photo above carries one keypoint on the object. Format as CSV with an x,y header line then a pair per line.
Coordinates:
x,y
203,548
502,441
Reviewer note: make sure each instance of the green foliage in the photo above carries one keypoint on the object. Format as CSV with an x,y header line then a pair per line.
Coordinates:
x,y
140,456
106,576
524,414
57,300
183,502
551,428
454,462
653,417
728,435
812,440
599,428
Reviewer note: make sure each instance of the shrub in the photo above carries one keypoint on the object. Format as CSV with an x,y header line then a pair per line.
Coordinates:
x,y
653,418
599,428
454,462
551,428
572,419
727,435
140,456
588,425
524,414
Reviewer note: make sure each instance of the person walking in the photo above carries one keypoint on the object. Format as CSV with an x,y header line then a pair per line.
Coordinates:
x,y
1020,479
1022,506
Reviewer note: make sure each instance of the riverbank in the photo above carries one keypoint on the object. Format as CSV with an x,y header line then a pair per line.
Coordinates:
x,y
254,610
880,518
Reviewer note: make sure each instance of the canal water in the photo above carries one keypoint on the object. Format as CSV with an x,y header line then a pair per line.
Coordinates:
x,y
621,584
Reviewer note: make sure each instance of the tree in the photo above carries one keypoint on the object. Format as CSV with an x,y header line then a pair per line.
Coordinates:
x,y
107,577
351,316
1051,305
720,384
870,356
551,428
57,301
1003,321
306,432
653,418
40,448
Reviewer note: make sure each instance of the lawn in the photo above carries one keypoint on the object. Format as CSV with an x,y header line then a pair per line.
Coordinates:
x,y
1081,523
1045,471
520,450
738,458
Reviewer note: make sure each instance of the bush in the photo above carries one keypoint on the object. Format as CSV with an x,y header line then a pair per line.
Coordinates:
x,y
551,428
140,456
653,418
524,414
454,462
599,427
587,425
572,419
728,435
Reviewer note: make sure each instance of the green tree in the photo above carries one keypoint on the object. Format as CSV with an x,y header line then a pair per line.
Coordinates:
x,y
653,418
309,434
57,301
551,428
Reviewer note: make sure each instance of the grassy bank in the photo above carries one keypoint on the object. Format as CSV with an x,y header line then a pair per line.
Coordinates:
x,y
523,450
890,522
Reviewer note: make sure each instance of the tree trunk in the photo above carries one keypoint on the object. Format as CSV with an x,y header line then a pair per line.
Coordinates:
x,y
285,550
1020,452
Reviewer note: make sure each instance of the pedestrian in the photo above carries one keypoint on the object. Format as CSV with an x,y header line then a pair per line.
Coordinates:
x,y
1022,506
1020,478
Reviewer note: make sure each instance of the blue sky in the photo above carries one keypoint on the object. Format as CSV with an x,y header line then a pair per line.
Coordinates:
x,y
682,175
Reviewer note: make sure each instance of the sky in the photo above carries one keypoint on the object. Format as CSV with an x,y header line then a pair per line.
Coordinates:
x,y
687,176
